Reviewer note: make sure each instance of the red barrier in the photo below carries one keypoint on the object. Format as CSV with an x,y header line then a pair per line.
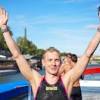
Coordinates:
x,y
91,71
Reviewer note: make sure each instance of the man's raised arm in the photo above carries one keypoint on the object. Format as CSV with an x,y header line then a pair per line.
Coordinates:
x,y
80,66
21,61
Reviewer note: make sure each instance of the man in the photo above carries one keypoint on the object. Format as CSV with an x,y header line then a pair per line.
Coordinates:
x,y
50,87
76,91
69,62
66,64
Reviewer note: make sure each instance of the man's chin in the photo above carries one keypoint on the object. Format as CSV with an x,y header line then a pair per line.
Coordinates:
x,y
55,74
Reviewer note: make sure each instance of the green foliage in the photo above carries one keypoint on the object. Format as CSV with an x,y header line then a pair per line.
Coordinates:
x,y
63,53
3,45
39,52
26,46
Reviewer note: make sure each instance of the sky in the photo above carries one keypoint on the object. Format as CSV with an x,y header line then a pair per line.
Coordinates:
x,y
68,25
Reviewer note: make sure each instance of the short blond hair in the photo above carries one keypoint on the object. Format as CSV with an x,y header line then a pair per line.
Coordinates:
x,y
50,49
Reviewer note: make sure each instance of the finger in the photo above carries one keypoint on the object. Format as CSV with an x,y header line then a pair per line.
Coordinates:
x,y
6,16
0,10
3,11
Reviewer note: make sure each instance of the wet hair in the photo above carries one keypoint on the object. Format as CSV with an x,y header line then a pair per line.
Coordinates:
x,y
50,49
68,55
74,58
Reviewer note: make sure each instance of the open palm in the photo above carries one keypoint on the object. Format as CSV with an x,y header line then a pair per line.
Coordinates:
x,y
3,17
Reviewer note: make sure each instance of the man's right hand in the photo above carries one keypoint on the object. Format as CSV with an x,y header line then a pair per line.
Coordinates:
x,y
3,17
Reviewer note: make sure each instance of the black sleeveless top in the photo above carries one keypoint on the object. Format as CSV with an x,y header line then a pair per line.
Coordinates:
x,y
51,92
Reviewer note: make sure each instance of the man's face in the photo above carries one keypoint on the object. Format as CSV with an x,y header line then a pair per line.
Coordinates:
x,y
51,62
67,60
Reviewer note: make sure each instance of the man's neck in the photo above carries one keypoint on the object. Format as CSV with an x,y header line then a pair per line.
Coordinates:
x,y
51,79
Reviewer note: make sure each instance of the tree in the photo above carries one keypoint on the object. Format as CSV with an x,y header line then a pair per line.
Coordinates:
x,y
26,46
39,52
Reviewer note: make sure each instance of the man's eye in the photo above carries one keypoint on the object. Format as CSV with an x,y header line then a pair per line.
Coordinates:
x,y
49,59
57,59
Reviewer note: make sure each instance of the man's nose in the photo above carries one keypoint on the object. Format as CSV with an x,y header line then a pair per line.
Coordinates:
x,y
53,62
